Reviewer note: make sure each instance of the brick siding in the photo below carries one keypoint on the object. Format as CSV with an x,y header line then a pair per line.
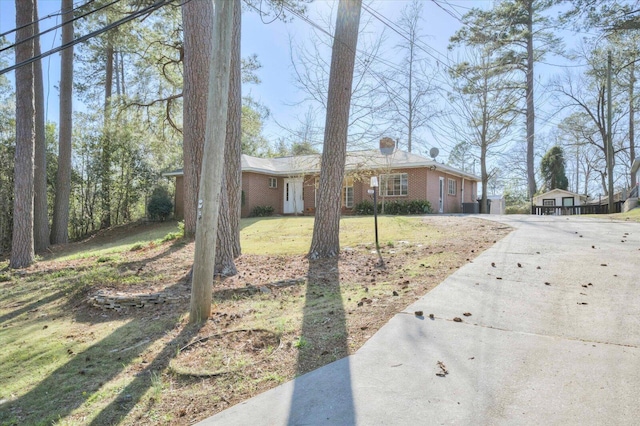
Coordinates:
x,y
422,184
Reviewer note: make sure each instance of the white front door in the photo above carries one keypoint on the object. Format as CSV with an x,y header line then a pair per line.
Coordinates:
x,y
441,201
293,196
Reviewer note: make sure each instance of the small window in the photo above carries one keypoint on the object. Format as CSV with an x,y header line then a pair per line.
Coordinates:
x,y
273,182
549,202
567,201
452,187
394,184
347,192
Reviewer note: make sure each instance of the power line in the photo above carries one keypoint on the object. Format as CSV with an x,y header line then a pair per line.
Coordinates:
x,y
134,15
52,15
55,27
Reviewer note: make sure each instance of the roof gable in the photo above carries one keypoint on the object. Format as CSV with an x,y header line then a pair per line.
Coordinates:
x,y
558,191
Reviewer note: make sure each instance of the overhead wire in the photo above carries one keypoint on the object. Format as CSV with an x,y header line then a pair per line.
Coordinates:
x,y
51,15
131,16
55,27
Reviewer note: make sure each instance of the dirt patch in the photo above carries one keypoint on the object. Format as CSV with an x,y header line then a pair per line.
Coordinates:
x,y
281,316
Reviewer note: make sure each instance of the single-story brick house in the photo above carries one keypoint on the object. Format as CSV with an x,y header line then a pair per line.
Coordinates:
x,y
288,184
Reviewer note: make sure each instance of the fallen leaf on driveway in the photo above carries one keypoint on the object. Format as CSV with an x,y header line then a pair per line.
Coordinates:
x,y
443,369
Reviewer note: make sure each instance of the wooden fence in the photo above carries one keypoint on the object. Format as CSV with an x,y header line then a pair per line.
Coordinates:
x,y
576,210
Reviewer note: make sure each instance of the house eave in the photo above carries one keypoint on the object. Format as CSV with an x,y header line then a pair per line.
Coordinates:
x,y
290,167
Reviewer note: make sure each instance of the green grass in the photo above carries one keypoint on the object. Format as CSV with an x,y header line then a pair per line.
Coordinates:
x,y
93,361
136,239
633,215
292,235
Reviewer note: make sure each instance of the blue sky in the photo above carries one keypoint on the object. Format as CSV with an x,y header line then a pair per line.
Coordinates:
x,y
270,41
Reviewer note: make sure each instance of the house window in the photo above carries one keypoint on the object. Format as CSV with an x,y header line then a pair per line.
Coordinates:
x,y
273,182
549,202
394,184
452,184
567,201
347,192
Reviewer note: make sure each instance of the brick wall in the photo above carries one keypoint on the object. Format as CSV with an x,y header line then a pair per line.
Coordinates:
x,y
257,193
422,184
309,195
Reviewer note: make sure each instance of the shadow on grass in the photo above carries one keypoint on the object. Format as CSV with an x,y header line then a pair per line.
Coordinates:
x,y
120,235
120,407
32,306
175,246
323,396
84,377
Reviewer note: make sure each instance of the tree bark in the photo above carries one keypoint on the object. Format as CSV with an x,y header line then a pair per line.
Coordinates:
x,y
632,118
325,242
22,253
105,178
530,111
196,24
212,164
228,246
60,229
40,208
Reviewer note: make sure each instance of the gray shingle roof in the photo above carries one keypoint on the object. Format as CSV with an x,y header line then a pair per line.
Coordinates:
x,y
356,160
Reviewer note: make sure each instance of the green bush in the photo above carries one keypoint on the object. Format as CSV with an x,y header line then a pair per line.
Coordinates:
x,y
419,207
262,211
394,207
160,206
518,209
364,207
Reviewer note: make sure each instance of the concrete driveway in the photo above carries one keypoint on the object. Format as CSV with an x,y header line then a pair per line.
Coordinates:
x,y
552,337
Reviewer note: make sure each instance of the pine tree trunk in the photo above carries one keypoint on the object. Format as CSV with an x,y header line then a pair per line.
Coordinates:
x,y
40,208
530,111
105,178
22,253
60,229
228,246
325,242
196,24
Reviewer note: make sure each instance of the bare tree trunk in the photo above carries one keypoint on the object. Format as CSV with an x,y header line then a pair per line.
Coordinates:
x,y
196,23
530,111
40,208
632,118
228,247
484,176
22,253
212,164
326,228
60,229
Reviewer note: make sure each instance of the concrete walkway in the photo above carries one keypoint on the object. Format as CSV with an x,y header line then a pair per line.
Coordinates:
x,y
553,339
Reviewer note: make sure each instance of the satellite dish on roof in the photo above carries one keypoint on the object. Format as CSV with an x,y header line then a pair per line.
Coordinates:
x,y
387,146
433,152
